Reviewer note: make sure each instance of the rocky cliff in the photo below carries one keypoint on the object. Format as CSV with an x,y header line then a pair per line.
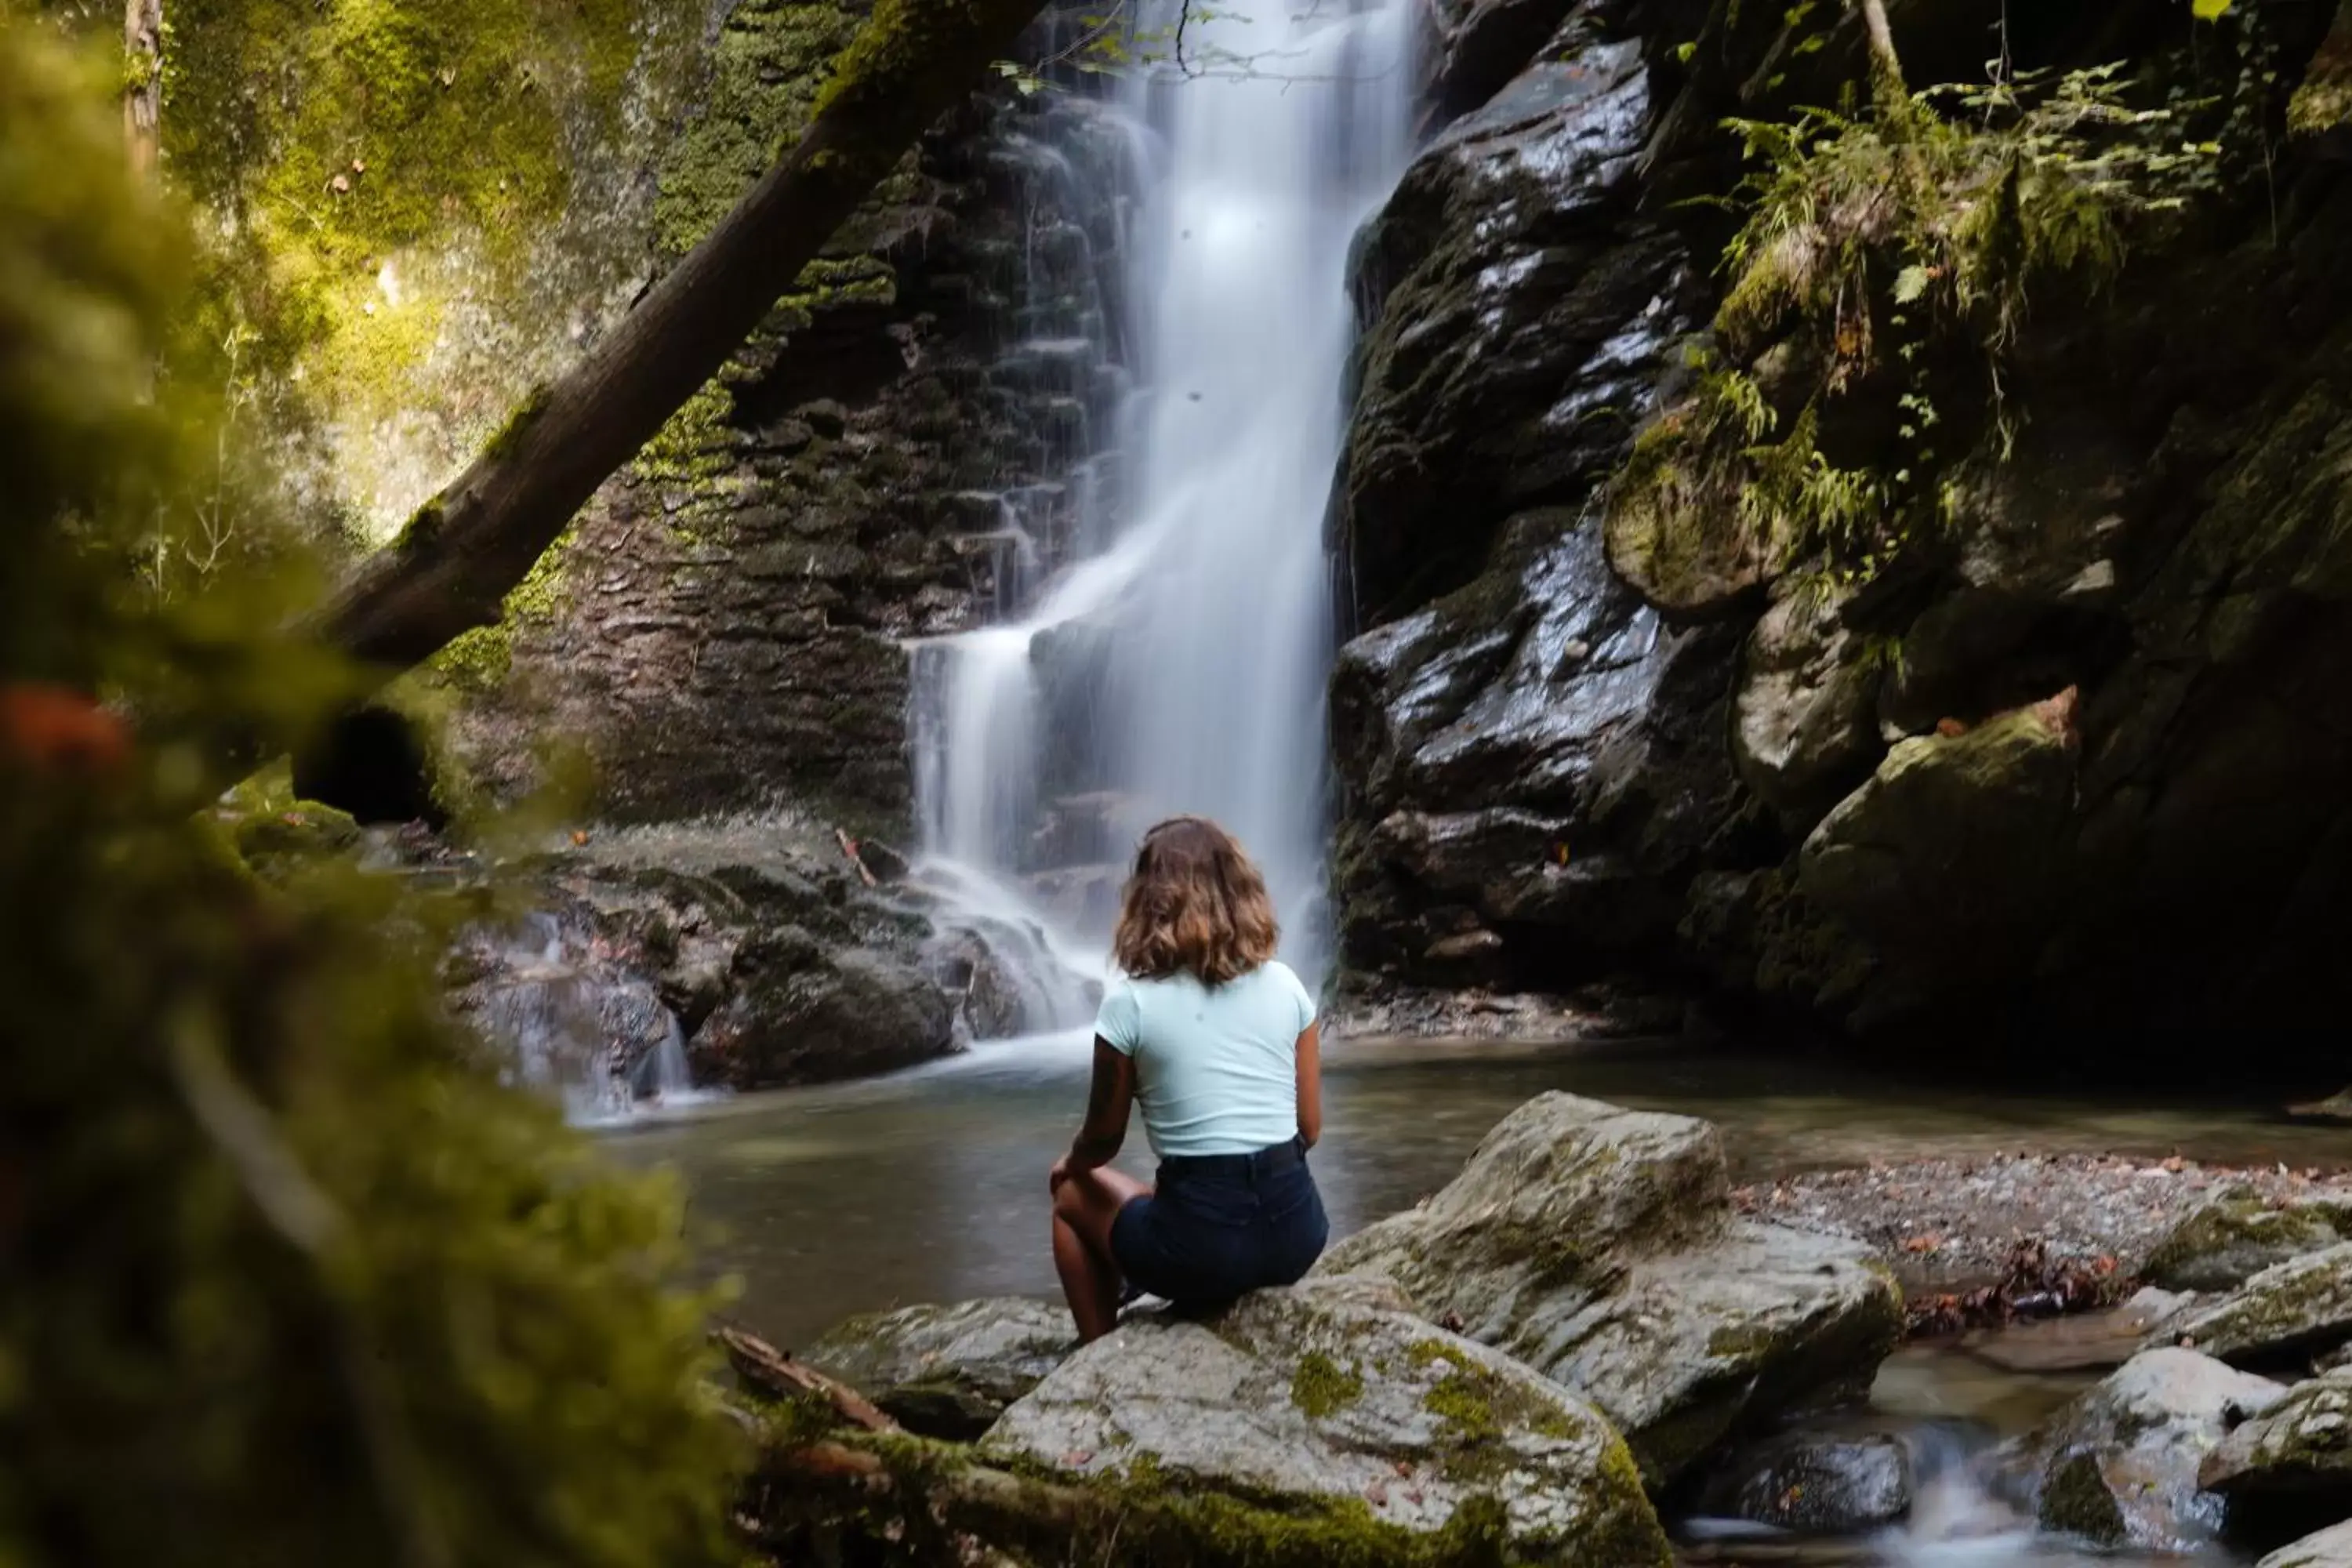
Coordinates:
x,y
2040,730
726,628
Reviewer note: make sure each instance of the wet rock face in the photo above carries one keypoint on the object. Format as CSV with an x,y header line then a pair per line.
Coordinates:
x,y
1333,1394
749,953
2120,1466
722,630
949,1371
1529,755
1838,808
1597,1244
1523,761
1815,1485
1517,308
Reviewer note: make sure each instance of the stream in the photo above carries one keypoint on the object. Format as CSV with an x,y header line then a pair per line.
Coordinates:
x,y
930,1185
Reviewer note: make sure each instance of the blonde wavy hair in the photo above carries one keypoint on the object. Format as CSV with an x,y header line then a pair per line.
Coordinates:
x,y
1196,904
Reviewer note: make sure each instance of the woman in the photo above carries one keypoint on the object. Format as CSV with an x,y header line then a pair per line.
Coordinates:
x,y
1217,1040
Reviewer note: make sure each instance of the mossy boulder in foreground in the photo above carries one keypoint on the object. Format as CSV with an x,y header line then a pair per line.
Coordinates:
x,y
1331,1404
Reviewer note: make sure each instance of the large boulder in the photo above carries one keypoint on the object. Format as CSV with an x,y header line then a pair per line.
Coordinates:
x,y
1596,1244
2299,1451
859,1012
1945,854
2291,1310
1332,1401
2119,1467
949,1371
781,963
2238,1233
1532,757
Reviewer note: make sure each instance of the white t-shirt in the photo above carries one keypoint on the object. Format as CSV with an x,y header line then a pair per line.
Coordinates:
x,y
1216,1068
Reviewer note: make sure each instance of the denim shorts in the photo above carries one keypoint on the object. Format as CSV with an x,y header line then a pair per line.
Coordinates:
x,y
1221,1226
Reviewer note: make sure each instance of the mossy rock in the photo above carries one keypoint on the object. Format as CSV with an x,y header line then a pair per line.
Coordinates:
x,y
2237,1233
2322,105
1597,1244
1330,1402
2291,1310
263,820
2120,1466
1677,534
2301,1450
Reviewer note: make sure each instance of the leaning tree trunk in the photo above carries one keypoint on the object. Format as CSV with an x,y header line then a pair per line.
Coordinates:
x,y
143,84
453,565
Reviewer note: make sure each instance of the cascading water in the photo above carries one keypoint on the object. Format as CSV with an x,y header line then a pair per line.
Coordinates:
x,y
1177,663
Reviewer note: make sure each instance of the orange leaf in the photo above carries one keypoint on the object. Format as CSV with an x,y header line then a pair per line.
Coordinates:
x,y
53,727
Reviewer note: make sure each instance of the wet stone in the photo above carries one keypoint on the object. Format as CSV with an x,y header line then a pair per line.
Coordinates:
x,y
1815,1485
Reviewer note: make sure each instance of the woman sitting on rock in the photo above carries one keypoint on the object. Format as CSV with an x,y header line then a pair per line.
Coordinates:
x,y
1217,1040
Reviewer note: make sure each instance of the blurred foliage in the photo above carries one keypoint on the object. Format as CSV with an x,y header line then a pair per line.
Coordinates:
x,y
286,1276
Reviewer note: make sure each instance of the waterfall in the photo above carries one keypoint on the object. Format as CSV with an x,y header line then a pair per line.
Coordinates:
x,y
1176,661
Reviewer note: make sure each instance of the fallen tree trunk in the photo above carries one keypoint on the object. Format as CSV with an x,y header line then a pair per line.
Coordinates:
x,y
454,564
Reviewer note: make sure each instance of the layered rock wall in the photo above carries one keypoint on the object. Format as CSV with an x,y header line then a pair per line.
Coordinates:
x,y
2076,764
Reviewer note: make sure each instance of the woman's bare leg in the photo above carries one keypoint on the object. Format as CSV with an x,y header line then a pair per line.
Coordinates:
x,y
1084,1207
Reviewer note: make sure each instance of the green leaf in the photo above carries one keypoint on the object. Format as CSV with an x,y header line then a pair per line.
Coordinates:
x,y
1909,284
2209,10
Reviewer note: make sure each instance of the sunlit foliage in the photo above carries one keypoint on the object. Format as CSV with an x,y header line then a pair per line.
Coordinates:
x,y
286,1278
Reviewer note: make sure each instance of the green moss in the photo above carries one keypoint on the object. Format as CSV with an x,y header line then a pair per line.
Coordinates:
x,y
1466,1405
1322,1385
377,168
1891,257
2076,1499
525,415
1149,1517
765,71
2323,102
288,1219
479,660
697,444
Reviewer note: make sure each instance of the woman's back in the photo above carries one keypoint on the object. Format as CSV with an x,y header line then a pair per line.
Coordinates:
x,y
1217,1042
1215,1066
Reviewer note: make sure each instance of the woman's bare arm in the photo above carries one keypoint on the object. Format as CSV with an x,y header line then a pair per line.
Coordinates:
x,y
1310,1083
1107,1103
